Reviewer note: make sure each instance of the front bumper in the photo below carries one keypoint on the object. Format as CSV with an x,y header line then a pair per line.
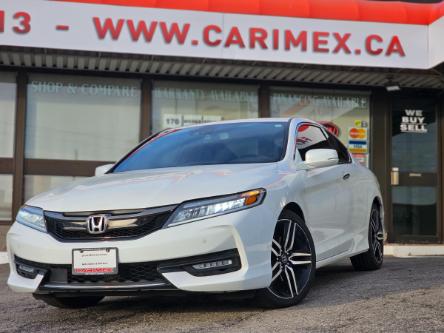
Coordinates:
x,y
248,232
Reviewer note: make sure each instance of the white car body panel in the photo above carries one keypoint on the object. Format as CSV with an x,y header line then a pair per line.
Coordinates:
x,y
335,210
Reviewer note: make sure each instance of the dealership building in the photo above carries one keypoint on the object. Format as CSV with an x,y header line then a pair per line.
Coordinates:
x,y
83,81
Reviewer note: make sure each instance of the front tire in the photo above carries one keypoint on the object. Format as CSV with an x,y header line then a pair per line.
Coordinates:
x,y
374,257
293,263
70,302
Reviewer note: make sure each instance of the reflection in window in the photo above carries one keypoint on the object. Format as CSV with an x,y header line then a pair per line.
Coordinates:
x,y
345,114
7,113
310,137
5,197
81,118
38,184
178,104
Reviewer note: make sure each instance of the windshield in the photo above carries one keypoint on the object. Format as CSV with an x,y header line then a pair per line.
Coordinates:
x,y
236,143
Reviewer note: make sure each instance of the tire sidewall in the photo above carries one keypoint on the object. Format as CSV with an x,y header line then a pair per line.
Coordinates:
x,y
269,299
370,247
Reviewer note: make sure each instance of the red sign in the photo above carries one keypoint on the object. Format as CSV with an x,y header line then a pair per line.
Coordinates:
x,y
357,133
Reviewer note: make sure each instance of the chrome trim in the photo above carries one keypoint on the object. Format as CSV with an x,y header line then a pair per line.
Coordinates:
x,y
113,215
112,224
116,219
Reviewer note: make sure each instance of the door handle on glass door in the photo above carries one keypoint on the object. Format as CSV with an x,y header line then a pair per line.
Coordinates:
x,y
394,177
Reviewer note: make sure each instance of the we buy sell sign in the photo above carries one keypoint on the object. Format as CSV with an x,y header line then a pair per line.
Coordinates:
x,y
169,32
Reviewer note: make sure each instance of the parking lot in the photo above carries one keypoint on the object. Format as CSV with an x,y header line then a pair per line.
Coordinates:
x,y
407,295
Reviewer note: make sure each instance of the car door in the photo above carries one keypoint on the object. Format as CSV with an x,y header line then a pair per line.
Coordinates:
x,y
352,194
323,195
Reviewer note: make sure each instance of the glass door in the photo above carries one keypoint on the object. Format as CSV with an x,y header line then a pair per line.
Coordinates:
x,y
414,177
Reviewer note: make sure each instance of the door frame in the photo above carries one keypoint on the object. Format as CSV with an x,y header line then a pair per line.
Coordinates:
x,y
386,154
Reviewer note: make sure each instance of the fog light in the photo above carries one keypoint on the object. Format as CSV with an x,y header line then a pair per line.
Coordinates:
x,y
213,264
204,265
26,271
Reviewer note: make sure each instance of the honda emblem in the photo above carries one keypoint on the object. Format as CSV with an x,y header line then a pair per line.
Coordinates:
x,y
97,224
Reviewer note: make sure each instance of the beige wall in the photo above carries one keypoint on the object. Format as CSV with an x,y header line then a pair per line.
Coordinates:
x,y
3,231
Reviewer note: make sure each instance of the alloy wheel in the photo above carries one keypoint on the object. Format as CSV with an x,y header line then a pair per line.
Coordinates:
x,y
291,260
376,235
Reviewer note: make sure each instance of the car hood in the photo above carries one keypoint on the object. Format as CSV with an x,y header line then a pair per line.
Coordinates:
x,y
153,188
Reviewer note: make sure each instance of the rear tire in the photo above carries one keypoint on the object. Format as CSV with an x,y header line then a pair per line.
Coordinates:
x,y
374,257
293,263
70,302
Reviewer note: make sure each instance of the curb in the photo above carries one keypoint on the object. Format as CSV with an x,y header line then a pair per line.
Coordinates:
x,y
3,258
404,251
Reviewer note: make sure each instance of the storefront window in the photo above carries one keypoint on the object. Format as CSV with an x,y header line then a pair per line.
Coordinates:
x,y
178,104
346,114
5,197
81,118
7,114
37,184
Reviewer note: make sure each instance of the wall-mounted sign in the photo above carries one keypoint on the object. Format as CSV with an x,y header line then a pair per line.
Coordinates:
x,y
357,140
85,89
214,95
361,123
413,121
356,133
361,158
187,33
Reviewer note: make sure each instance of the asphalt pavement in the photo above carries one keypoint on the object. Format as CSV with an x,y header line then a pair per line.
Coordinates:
x,y
406,295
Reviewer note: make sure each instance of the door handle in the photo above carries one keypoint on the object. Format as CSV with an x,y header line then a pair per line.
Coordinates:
x,y
394,177
346,176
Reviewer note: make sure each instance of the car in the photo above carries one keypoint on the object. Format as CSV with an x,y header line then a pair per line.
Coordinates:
x,y
252,206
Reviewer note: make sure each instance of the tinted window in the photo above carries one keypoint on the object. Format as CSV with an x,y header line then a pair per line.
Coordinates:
x,y
249,142
310,137
343,155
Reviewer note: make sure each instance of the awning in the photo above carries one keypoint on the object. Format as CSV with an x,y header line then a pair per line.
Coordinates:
x,y
159,66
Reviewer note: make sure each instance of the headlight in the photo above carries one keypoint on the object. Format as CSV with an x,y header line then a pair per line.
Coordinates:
x,y
31,217
200,209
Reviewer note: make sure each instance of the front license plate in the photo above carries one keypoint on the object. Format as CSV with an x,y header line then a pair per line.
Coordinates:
x,y
94,261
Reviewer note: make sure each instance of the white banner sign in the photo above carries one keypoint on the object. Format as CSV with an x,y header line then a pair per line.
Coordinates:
x,y
133,30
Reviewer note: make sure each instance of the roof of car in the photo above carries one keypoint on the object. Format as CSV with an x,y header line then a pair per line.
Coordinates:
x,y
254,120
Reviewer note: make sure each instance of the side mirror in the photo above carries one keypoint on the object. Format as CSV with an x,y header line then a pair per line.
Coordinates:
x,y
320,158
101,170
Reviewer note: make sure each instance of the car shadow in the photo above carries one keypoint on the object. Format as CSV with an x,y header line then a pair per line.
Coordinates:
x,y
336,284
341,284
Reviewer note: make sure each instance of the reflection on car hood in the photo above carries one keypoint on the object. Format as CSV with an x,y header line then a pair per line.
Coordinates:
x,y
152,188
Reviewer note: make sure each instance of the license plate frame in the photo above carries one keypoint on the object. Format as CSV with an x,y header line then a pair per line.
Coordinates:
x,y
97,261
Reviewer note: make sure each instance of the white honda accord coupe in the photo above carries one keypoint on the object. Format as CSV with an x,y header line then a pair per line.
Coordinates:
x,y
253,205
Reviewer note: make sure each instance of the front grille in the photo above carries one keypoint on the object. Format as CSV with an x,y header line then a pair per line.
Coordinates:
x,y
73,227
137,272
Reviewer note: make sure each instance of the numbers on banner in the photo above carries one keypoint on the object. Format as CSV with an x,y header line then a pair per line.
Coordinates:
x,y
22,22
2,21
